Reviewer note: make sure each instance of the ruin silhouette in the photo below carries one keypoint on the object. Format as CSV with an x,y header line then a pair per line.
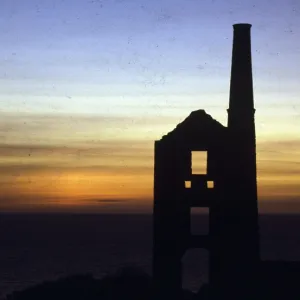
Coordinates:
x,y
227,187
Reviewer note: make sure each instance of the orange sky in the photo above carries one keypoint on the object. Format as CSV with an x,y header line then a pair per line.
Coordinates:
x,y
95,164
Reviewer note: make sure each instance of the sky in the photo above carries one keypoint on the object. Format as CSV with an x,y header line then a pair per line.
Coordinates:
x,y
87,86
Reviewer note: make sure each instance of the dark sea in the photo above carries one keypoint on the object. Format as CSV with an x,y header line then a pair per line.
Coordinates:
x,y
34,248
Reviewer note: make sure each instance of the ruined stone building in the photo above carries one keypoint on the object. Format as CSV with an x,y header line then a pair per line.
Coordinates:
x,y
227,187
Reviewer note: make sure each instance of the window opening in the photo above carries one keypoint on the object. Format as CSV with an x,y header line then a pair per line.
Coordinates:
x,y
199,162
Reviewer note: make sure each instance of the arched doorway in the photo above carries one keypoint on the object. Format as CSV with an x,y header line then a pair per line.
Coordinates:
x,y
195,268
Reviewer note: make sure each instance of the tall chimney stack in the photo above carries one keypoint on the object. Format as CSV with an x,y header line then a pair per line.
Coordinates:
x,y
242,206
241,85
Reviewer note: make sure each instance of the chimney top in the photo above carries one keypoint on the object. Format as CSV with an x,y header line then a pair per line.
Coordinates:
x,y
242,26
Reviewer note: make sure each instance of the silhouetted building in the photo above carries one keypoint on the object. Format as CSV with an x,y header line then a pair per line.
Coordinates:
x,y
227,186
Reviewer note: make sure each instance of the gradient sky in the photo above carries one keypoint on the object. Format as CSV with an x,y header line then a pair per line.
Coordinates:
x,y
87,86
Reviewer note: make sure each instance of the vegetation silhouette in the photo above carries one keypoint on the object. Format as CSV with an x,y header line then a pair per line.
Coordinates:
x,y
129,283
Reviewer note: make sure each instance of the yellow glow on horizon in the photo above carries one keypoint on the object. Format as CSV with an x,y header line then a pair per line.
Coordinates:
x,y
75,170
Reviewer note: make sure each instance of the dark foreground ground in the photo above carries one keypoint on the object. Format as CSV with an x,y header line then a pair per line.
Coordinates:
x,y
128,283
277,280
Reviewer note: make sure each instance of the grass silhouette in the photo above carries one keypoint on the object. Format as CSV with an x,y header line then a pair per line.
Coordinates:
x,y
126,283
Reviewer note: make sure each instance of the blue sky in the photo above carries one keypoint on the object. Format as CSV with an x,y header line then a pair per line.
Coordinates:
x,y
110,55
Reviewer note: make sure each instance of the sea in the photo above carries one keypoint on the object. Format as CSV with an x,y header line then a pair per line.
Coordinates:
x,y
39,247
